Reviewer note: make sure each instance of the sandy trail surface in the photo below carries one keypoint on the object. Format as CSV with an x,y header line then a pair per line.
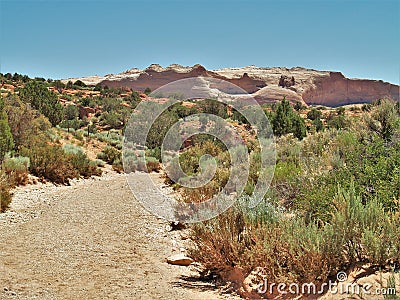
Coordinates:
x,y
91,240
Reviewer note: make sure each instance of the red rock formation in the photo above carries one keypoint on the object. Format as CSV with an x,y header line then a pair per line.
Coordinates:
x,y
338,90
309,86
154,77
85,111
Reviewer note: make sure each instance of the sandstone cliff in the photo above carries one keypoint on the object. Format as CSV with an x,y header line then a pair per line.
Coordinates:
x,y
312,87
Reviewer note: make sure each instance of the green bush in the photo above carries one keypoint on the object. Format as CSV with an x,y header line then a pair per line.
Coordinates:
x,y
80,161
6,138
45,101
16,168
284,120
51,162
317,228
112,137
5,195
152,163
109,155
288,248
98,163
314,114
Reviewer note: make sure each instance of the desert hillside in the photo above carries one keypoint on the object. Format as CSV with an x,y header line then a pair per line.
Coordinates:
x,y
312,87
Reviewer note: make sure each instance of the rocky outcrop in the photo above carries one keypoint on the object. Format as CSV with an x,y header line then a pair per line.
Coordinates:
x,y
285,81
267,85
155,76
338,90
86,112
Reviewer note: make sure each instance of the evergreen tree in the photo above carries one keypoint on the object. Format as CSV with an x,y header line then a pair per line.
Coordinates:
x,y
314,114
319,126
71,113
299,129
285,121
282,121
6,138
45,101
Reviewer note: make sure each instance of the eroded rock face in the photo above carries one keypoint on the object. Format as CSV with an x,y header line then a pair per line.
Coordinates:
x,y
85,111
286,81
338,90
155,76
311,87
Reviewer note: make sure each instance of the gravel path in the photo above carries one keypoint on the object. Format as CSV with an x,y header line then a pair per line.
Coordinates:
x,y
90,240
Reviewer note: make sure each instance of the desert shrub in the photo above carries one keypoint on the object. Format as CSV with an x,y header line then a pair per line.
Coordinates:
x,y
78,135
109,155
287,248
80,161
213,107
79,83
16,168
284,120
83,165
98,163
72,149
118,166
183,111
156,152
111,137
368,231
384,119
343,157
73,124
299,129
160,128
43,100
286,181
319,126
339,121
314,114
153,165
111,119
51,162
147,91
6,138
5,195
298,106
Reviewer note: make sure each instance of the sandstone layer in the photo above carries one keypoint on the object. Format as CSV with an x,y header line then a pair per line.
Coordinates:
x,y
266,85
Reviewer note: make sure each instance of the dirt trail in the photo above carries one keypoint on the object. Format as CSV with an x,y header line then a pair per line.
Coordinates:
x,y
90,241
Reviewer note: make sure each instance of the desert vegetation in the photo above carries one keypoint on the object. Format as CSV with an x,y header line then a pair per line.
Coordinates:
x,y
30,143
333,203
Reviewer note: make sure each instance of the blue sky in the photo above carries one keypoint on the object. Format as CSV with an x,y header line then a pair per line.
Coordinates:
x,y
60,39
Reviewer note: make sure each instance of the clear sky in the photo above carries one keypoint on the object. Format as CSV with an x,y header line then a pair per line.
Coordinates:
x,y
60,39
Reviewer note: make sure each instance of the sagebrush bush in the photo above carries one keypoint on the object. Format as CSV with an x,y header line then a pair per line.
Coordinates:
x,y
98,163
113,138
51,162
152,164
82,164
5,195
16,168
110,155
288,248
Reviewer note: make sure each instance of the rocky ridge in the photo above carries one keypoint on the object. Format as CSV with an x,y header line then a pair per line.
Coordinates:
x,y
312,87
